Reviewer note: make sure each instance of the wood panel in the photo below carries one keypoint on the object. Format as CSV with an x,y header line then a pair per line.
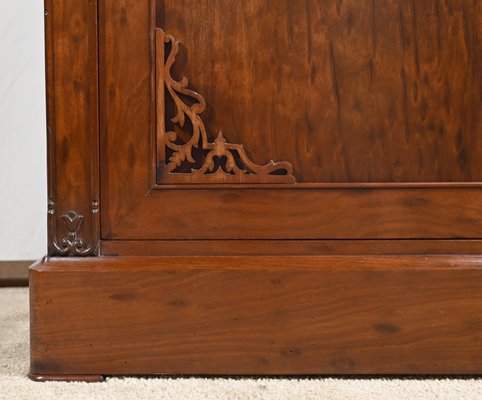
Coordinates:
x,y
73,134
127,103
362,145
362,213
257,315
287,247
190,157
352,91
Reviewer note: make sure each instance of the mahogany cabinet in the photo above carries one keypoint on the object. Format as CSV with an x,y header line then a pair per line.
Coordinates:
x,y
261,187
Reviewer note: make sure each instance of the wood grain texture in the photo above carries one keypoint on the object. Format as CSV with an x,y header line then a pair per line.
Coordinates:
x,y
363,213
185,156
257,315
375,104
125,248
272,88
127,100
72,118
352,91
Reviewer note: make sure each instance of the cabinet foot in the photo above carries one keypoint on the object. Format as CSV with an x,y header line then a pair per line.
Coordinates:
x,y
66,378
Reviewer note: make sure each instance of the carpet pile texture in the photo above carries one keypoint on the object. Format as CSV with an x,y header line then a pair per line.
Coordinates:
x,y
14,384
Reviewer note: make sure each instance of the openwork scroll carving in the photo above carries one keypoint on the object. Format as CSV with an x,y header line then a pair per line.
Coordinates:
x,y
197,159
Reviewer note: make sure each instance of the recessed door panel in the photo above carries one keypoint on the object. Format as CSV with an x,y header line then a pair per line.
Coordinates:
x,y
352,91
295,119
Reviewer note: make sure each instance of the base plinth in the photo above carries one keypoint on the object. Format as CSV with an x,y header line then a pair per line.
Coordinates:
x,y
255,315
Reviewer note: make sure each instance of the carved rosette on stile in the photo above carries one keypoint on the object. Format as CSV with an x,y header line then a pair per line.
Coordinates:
x,y
71,242
197,159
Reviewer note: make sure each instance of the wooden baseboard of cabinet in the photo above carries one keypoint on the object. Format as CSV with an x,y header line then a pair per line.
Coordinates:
x,y
14,273
256,315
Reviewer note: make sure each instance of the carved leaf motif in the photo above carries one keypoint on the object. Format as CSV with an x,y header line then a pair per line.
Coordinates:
x,y
72,244
219,161
73,221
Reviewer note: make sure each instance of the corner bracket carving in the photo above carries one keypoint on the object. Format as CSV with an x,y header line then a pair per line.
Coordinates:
x,y
196,159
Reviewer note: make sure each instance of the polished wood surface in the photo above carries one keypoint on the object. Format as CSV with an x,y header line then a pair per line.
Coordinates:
x,y
382,130
346,91
127,106
14,273
257,315
191,157
369,264
72,126
65,378
361,213
287,247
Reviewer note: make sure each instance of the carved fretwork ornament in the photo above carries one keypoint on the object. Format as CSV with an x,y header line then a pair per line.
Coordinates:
x,y
72,243
197,159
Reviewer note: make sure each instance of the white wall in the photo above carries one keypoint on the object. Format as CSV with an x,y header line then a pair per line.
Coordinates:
x,y
23,172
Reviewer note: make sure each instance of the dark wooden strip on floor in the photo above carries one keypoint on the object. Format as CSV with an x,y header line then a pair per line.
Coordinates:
x,y
14,273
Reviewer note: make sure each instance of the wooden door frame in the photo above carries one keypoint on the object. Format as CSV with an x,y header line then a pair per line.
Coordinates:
x,y
143,209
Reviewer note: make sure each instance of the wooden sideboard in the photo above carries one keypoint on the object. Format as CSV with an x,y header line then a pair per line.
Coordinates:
x,y
259,187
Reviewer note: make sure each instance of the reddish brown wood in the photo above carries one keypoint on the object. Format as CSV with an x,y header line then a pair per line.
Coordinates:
x,y
362,213
384,120
287,247
191,157
14,273
257,315
73,136
127,104
375,105
66,378
351,91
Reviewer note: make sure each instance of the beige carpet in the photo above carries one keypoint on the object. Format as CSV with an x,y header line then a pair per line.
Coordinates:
x,y
15,385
